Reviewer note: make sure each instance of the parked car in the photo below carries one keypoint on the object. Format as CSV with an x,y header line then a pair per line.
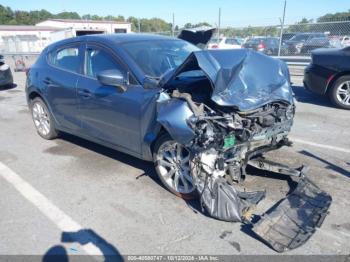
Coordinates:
x,y
329,75
287,36
224,43
315,43
6,78
296,43
345,41
266,45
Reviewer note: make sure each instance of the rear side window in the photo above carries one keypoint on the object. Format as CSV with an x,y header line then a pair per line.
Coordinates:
x,y
66,58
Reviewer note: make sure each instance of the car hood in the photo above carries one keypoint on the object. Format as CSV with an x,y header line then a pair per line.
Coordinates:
x,y
293,42
240,78
198,36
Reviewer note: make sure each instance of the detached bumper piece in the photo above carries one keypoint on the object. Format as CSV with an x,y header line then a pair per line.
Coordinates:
x,y
222,201
294,220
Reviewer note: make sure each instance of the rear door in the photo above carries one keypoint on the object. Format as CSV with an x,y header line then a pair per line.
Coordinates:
x,y
60,82
106,114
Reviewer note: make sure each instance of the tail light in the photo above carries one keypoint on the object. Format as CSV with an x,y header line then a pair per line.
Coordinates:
x,y
329,80
261,46
214,46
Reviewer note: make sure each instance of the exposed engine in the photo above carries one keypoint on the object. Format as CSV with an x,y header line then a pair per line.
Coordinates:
x,y
224,141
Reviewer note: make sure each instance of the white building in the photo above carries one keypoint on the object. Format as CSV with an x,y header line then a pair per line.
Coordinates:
x,y
83,27
32,39
24,38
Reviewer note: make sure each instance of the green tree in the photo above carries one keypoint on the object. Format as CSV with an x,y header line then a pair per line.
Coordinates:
x,y
340,16
68,15
6,15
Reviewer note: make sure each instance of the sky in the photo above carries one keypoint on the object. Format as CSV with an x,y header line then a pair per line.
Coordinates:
x,y
234,13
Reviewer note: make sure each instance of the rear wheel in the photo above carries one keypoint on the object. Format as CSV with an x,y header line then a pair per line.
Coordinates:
x,y
42,119
339,93
172,164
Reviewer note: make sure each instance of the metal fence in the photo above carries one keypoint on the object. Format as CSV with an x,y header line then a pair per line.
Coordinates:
x,y
297,39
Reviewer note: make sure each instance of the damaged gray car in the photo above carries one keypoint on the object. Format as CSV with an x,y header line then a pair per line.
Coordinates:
x,y
202,116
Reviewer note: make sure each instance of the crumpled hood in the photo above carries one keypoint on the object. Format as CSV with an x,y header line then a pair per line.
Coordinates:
x,y
241,78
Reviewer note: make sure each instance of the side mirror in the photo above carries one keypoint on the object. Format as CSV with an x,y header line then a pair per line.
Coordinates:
x,y
113,78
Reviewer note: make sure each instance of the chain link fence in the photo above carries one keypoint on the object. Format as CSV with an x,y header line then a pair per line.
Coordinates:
x,y
297,39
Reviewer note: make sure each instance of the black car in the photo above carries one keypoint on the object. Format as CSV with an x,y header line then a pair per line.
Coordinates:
x,y
296,43
315,43
6,78
266,45
329,74
287,36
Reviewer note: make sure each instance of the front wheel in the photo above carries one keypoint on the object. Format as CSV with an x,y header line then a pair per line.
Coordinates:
x,y
42,119
172,164
339,93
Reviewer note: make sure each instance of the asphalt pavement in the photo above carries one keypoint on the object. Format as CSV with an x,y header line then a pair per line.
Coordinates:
x,y
77,197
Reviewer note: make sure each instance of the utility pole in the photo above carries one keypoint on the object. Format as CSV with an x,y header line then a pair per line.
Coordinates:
x,y
219,23
173,27
282,27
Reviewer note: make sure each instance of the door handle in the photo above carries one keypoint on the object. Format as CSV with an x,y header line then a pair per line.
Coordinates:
x,y
47,81
84,93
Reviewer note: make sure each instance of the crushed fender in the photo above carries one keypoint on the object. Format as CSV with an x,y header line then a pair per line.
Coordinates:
x,y
294,220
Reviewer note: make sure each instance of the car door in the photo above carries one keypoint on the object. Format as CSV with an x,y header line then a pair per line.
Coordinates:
x,y
106,114
60,80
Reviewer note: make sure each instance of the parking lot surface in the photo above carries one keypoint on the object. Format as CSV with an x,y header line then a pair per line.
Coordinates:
x,y
52,188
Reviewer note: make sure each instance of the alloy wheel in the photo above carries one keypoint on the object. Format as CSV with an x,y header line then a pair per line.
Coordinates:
x,y
41,119
173,164
343,93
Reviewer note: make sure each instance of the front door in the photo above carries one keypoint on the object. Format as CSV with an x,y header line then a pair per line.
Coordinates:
x,y
106,114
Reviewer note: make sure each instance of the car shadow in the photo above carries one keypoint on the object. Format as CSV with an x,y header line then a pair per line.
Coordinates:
x,y
329,164
8,87
59,253
302,95
145,166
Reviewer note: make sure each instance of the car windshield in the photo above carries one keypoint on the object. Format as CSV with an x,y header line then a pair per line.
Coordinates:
x,y
255,41
155,58
299,37
215,40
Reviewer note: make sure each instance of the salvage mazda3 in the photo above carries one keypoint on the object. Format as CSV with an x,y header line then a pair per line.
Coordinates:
x,y
200,115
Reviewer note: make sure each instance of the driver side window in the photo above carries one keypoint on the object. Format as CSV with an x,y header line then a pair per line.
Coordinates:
x,y
98,60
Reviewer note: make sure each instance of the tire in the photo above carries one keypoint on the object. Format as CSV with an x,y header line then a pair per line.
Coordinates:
x,y
339,93
42,119
172,165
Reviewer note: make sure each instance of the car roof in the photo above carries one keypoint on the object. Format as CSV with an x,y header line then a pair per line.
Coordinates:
x,y
115,38
311,33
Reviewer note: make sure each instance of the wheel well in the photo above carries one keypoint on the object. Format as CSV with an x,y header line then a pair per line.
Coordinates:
x,y
335,78
33,95
161,132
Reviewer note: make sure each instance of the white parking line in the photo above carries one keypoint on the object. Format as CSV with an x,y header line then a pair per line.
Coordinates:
x,y
52,212
335,148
